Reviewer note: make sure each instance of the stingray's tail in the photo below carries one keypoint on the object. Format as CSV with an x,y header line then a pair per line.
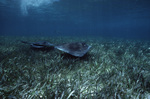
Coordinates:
x,y
25,42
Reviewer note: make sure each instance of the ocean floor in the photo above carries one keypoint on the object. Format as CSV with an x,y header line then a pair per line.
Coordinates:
x,y
112,69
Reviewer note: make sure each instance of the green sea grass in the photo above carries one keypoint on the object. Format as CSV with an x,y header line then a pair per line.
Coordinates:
x,y
112,69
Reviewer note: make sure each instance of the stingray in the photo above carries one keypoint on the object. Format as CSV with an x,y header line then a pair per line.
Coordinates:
x,y
39,45
77,49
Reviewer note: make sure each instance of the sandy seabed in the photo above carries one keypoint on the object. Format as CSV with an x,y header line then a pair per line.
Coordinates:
x,y
113,68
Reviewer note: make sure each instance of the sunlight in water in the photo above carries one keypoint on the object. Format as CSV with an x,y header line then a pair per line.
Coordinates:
x,y
25,4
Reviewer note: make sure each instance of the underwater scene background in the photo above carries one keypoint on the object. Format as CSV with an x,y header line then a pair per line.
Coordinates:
x,y
116,65
108,18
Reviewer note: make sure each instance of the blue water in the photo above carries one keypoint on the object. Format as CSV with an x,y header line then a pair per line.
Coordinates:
x,y
103,18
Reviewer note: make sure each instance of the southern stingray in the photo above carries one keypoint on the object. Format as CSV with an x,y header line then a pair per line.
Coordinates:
x,y
77,49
